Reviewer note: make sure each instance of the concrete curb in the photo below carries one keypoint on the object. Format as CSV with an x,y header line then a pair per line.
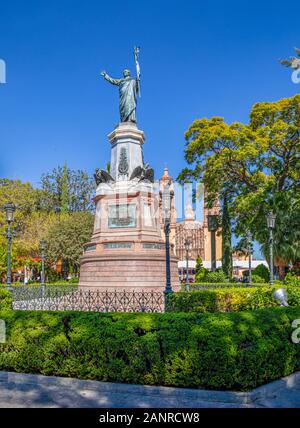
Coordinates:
x,y
107,387
274,387
171,395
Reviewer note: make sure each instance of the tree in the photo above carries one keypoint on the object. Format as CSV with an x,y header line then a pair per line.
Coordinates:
x,y
33,223
261,271
65,196
66,237
27,241
25,197
200,271
226,240
66,190
256,165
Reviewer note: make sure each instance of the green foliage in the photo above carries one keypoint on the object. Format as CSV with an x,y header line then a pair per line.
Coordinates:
x,y
287,231
65,238
256,279
262,271
226,240
200,271
209,285
74,281
3,260
25,198
229,299
215,277
258,166
66,190
233,351
5,299
291,280
65,195
38,214
51,274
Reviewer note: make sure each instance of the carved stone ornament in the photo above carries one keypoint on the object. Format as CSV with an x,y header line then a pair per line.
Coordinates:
x,y
123,162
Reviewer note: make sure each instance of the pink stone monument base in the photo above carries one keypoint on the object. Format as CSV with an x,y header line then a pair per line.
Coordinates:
x,y
126,251
123,270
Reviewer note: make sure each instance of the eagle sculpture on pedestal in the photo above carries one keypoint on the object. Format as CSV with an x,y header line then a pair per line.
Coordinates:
x,y
102,176
143,173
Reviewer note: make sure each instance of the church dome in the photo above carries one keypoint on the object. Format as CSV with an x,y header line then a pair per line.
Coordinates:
x,y
189,213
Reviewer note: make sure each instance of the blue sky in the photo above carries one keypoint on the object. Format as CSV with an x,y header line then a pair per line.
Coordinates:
x,y
198,59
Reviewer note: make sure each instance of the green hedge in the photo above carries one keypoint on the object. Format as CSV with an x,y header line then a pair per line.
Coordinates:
x,y
70,283
209,285
5,299
233,351
229,299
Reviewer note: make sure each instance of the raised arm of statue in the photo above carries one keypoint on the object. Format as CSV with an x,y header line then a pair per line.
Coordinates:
x,y
138,70
110,79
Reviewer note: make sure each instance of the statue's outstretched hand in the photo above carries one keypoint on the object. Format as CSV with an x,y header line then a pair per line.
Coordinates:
x,y
103,73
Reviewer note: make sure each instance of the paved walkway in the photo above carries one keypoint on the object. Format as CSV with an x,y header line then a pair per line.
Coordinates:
x,y
26,390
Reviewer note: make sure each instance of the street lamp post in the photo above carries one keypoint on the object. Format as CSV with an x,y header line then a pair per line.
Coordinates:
x,y
167,196
271,218
9,210
187,246
43,248
249,240
212,223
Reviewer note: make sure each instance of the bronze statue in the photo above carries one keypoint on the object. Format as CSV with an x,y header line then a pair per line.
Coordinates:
x,y
129,88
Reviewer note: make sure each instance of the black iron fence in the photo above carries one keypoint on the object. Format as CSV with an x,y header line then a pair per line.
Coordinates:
x,y
68,299
72,298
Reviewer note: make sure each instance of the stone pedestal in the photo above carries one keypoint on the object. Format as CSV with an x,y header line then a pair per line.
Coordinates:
x,y
126,251
128,138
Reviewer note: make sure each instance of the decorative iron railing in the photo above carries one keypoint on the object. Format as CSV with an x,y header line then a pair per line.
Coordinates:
x,y
61,299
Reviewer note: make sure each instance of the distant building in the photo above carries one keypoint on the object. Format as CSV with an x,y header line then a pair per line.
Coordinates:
x,y
193,230
189,228
166,180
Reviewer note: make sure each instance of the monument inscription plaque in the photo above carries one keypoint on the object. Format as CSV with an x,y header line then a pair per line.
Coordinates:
x,y
123,215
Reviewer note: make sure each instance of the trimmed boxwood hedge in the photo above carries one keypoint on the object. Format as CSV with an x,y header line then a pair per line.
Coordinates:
x,y
229,299
233,351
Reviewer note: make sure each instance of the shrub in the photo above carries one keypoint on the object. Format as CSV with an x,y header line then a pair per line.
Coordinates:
x,y
74,280
70,283
215,277
210,285
200,270
229,299
235,351
5,298
256,279
291,280
262,271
